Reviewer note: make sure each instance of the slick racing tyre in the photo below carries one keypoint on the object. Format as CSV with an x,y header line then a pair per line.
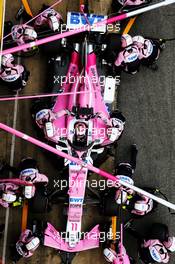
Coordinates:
x,y
27,163
159,231
39,203
113,42
110,207
37,106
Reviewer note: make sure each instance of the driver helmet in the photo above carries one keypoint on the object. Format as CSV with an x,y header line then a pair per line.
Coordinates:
x,y
9,197
126,40
170,244
80,131
33,244
7,60
109,254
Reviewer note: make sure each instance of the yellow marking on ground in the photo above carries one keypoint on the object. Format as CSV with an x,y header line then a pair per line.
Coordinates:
x,y
1,17
129,25
27,7
24,215
114,227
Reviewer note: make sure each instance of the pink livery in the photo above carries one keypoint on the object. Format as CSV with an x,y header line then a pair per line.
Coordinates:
x,y
49,18
132,2
12,189
157,250
76,124
22,34
116,258
145,47
27,244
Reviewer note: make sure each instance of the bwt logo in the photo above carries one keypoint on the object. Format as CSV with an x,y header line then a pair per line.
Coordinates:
x,y
76,200
77,18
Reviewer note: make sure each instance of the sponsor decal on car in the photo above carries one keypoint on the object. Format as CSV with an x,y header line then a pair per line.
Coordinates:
x,y
76,200
76,20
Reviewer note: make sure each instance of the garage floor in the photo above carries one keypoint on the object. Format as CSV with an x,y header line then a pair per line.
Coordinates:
x,y
146,99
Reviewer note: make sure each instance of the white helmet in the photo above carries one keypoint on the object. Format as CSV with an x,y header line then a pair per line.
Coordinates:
x,y
44,113
29,192
125,178
141,207
30,33
7,59
109,254
54,23
126,40
28,172
170,244
121,196
114,134
117,123
115,131
157,252
9,197
144,206
139,39
33,244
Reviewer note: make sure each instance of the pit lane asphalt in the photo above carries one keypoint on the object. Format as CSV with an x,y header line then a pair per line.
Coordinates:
x,y
146,99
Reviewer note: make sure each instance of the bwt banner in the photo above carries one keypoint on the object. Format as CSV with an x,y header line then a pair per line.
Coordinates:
x,y
76,20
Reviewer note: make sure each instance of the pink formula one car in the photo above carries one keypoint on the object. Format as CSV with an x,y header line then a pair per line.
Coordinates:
x,y
80,124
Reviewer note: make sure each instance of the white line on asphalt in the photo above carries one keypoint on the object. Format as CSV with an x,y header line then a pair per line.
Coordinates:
x,y
2,30
12,154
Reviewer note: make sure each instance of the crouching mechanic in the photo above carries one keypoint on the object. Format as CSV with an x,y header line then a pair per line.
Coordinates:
x,y
115,124
149,50
14,76
11,192
8,194
136,204
129,4
128,58
157,245
48,19
22,34
27,244
30,173
116,258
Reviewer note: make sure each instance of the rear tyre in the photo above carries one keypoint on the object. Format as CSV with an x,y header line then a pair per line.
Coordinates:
x,y
27,163
99,159
159,231
39,203
37,106
110,207
113,42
